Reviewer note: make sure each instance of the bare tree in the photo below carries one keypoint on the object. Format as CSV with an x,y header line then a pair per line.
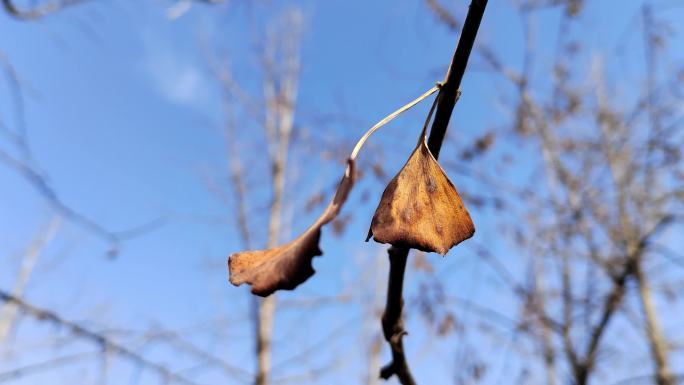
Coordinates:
x,y
397,220
275,114
15,309
25,165
613,187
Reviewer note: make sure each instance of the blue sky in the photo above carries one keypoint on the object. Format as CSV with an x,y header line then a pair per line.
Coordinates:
x,y
124,117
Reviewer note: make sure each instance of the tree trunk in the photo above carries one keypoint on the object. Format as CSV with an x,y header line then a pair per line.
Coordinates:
x,y
659,348
8,313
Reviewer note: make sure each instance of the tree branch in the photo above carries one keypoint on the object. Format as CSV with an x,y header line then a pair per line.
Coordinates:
x,y
443,14
450,90
44,365
8,313
611,304
392,320
25,166
38,11
99,339
658,344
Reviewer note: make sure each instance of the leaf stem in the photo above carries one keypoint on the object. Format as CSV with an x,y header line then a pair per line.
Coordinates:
x,y
389,118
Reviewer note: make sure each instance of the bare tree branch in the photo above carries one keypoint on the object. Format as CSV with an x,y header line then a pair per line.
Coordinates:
x,y
392,322
9,311
281,67
443,14
37,11
654,333
100,340
45,365
392,319
26,167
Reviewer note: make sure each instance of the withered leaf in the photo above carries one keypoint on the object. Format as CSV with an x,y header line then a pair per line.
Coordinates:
x,y
286,266
420,208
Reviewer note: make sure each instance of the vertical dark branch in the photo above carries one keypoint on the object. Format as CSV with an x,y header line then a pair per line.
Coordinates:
x,y
451,88
582,370
392,320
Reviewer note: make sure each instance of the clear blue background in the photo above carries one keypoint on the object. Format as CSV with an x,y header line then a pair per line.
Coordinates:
x,y
125,118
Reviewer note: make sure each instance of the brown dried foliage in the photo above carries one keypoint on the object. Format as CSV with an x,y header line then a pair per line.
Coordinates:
x,y
285,267
420,208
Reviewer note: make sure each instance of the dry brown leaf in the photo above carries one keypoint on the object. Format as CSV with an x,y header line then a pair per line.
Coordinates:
x,y
420,208
286,266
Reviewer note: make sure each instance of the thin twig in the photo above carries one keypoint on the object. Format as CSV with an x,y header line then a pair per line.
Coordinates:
x,y
102,341
38,11
40,181
281,61
44,365
8,312
392,320
443,14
